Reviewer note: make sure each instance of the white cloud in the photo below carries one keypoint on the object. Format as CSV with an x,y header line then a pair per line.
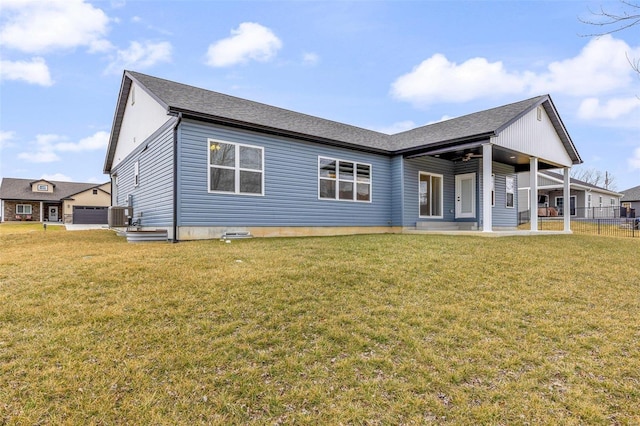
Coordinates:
x,y
310,58
591,108
634,161
44,151
443,118
600,68
140,56
35,71
35,26
251,41
47,146
438,80
57,177
94,179
6,138
99,140
397,127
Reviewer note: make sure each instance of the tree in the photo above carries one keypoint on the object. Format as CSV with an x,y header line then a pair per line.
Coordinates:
x,y
612,22
594,177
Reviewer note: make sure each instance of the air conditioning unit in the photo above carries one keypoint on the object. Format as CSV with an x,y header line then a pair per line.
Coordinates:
x,y
120,216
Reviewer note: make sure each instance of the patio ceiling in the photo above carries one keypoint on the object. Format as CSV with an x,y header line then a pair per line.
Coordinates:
x,y
466,152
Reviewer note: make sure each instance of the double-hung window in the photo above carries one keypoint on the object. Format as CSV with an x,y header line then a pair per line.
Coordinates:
x,y
24,209
510,187
343,180
430,195
236,168
136,173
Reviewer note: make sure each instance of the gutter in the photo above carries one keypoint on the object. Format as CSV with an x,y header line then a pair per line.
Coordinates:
x,y
175,178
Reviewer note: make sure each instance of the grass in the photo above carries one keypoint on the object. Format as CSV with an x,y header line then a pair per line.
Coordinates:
x,y
385,329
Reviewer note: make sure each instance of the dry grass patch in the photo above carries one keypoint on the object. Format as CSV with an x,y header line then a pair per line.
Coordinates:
x,y
387,329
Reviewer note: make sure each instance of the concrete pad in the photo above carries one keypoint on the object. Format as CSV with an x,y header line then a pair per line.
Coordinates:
x,y
76,227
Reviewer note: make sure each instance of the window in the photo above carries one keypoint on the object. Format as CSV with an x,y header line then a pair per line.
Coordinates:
x,y
493,190
343,180
42,187
572,205
589,201
510,188
24,209
600,202
136,173
613,202
95,192
430,195
235,168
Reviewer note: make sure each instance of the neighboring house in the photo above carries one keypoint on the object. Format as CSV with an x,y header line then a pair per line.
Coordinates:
x,y
201,164
631,201
586,200
52,201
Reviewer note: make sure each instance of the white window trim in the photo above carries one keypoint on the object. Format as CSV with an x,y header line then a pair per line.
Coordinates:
x,y
575,203
355,180
237,169
136,174
43,187
441,216
23,206
506,193
493,190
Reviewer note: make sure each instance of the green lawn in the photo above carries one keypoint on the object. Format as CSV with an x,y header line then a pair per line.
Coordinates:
x,y
385,329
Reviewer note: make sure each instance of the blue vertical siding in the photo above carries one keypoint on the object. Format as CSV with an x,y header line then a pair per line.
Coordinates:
x,y
291,184
412,169
503,215
397,190
153,197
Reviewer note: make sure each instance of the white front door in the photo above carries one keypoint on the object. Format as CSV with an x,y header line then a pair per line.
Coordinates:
x,y
53,213
466,195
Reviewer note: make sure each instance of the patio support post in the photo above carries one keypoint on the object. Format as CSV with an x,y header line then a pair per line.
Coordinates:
x,y
487,211
566,199
41,211
533,195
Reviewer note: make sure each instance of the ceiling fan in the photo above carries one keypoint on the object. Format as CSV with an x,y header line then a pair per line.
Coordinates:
x,y
468,156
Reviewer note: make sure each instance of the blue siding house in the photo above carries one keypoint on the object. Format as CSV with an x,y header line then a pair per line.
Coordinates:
x,y
202,164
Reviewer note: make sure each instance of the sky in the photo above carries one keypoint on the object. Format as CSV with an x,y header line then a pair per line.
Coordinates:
x,y
383,65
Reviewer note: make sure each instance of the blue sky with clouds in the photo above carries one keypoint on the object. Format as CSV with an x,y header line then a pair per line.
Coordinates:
x,y
383,65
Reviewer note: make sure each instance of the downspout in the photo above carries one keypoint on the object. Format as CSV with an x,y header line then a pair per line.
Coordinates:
x,y
175,179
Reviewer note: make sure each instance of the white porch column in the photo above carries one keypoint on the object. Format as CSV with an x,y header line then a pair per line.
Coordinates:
x,y
487,170
41,211
566,199
533,194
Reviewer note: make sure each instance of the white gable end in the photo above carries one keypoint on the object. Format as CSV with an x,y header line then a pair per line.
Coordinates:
x,y
143,115
534,134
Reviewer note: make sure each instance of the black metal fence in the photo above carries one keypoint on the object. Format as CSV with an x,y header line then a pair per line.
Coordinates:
x,y
611,220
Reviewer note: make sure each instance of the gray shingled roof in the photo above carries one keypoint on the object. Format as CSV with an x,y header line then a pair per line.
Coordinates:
x,y
631,194
206,104
483,123
184,98
20,189
575,181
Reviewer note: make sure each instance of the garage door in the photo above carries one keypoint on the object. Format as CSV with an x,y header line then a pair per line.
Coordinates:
x,y
90,215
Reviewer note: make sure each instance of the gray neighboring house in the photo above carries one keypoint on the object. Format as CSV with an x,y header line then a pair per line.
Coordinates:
x,y
202,164
44,200
586,200
631,201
